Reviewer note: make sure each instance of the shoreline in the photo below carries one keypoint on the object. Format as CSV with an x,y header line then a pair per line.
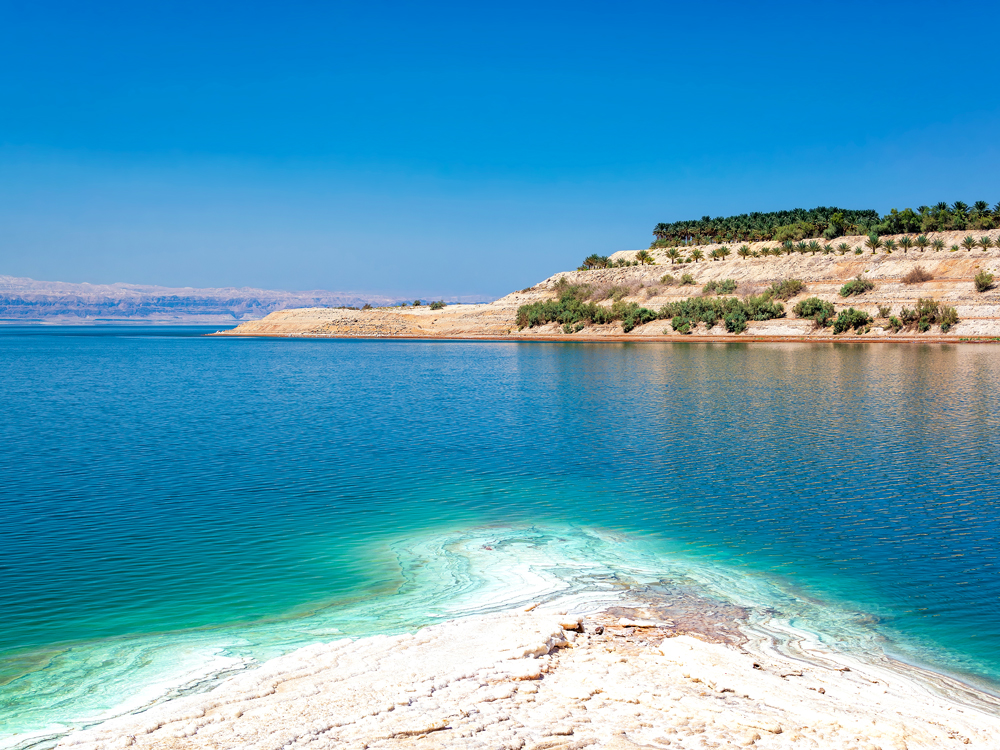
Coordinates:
x,y
708,653
626,338
635,675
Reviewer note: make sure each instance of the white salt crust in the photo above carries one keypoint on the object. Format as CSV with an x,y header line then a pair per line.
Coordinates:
x,y
528,679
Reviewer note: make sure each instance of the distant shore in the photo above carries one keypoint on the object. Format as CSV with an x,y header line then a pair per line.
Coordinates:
x,y
646,674
893,284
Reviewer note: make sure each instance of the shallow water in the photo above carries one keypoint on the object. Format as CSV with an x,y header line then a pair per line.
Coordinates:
x,y
175,506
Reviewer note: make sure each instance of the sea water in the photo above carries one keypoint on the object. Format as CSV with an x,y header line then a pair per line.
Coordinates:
x,y
175,507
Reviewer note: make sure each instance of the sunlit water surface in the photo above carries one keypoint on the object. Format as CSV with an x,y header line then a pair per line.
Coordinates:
x,y
175,507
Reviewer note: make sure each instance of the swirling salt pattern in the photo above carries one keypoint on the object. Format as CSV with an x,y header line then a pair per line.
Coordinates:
x,y
170,491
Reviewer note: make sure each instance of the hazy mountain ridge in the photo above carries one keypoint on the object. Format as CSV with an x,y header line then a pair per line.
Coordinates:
x,y
24,300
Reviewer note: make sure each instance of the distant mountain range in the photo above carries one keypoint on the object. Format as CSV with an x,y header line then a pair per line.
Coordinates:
x,y
29,301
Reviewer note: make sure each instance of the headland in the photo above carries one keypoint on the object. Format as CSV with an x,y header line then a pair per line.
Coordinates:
x,y
918,295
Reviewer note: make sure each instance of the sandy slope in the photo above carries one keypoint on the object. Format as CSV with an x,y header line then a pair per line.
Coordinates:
x,y
952,284
544,680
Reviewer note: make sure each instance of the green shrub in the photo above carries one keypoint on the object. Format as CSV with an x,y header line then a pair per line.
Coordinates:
x,y
813,307
631,315
437,305
735,321
687,279
618,293
927,313
856,286
895,324
786,289
883,311
851,318
726,286
668,280
948,318
573,308
983,281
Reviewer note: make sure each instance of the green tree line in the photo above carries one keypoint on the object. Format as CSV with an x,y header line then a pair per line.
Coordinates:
x,y
826,222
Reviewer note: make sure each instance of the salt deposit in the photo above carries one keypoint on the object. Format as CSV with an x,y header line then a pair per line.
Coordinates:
x,y
539,679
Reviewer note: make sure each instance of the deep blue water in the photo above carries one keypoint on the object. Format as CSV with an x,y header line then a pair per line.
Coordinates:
x,y
159,487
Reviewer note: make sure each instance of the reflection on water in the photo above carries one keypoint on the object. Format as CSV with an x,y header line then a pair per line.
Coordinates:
x,y
158,484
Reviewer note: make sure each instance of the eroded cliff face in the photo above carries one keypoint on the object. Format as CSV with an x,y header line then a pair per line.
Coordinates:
x,y
951,284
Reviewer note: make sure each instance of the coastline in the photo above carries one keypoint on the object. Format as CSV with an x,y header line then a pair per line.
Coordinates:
x,y
622,677
625,338
948,279
649,649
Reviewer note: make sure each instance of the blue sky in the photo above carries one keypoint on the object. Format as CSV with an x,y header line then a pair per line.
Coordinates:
x,y
464,149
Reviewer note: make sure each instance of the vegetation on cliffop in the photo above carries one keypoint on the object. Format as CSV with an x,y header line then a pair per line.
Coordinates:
x,y
856,286
438,305
827,223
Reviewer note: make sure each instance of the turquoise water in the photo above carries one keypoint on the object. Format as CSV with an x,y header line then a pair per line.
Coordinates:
x,y
175,506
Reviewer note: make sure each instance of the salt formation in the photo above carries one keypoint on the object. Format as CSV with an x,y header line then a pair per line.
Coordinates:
x,y
531,679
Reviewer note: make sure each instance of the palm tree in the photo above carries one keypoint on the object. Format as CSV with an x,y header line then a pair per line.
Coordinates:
x,y
959,209
969,242
981,208
644,257
715,255
813,247
673,253
889,245
843,247
827,248
985,243
787,247
697,255
922,242
744,252
873,242
801,247
724,252
906,242
938,244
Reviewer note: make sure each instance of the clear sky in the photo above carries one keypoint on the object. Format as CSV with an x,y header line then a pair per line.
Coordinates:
x,y
464,148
